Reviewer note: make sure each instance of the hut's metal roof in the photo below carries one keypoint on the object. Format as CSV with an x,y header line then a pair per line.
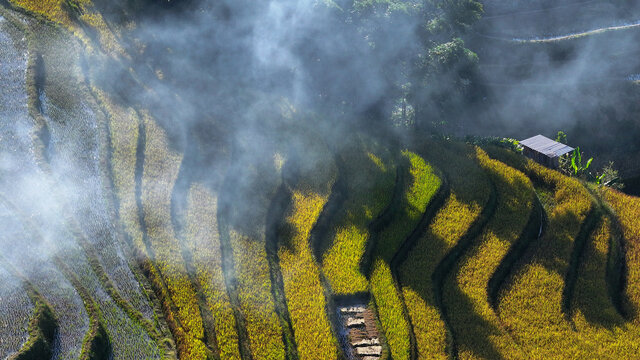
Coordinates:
x,y
546,146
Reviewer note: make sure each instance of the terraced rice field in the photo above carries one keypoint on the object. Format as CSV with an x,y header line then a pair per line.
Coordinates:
x,y
370,177
420,186
121,240
203,241
160,171
627,209
248,269
16,310
303,289
420,287
476,329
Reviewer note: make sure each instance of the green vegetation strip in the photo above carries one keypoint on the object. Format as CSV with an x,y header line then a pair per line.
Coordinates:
x,y
42,328
470,191
42,325
370,176
419,189
477,331
96,344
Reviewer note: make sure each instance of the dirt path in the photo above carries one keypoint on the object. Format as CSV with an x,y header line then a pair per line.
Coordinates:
x,y
550,39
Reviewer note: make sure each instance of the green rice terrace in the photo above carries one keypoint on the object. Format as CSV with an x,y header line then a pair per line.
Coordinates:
x,y
302,180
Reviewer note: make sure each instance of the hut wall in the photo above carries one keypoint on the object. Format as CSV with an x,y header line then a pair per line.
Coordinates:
x,y
541,158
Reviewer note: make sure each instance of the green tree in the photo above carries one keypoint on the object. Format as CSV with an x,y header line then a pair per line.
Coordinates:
x,y
561,137
442,81
576,163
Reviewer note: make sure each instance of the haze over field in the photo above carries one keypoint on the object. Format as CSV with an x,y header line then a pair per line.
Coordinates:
x,y
317,179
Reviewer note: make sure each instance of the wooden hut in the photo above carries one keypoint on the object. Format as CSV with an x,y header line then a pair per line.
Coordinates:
x,y
544,150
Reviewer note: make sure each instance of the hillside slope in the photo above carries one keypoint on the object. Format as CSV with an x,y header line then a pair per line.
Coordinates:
x,y
136,225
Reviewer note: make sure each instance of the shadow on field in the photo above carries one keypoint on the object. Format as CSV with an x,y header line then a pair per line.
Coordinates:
x,y
464,312
597,273
478,340
433,257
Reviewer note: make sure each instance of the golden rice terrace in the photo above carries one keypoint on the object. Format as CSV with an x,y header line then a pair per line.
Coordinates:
x,y
148,211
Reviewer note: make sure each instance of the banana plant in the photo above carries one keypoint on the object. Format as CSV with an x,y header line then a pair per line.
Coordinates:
x,y
576,162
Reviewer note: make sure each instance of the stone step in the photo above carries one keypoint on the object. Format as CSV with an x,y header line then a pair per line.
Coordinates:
x,y
366,342
353,310
369,350
353,322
